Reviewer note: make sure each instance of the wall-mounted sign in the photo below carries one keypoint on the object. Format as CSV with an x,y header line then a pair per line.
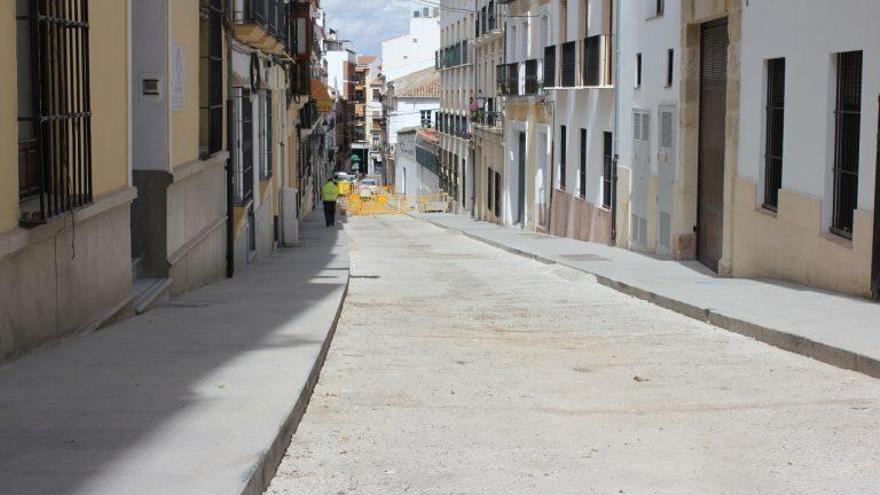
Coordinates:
x,y
177,78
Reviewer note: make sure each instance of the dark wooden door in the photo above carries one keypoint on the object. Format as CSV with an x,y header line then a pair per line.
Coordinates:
x,y
713,106
521,181
875,270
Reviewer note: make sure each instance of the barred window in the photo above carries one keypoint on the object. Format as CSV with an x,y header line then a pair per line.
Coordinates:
x,y
582,175
848,116
562,153
54,119
243,165
211,78
775,115
607,168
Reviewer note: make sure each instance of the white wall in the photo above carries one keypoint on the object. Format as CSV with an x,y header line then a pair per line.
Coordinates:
x,y
408,114
413,51
823,28
336,61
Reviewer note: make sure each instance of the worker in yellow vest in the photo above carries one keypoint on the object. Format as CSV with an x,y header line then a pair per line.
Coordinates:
x,y
329,193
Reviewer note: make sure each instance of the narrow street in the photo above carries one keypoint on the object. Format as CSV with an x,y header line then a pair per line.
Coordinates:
x,y
460,368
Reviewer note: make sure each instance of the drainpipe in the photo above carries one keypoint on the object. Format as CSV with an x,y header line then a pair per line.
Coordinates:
x,y
230,147
614,161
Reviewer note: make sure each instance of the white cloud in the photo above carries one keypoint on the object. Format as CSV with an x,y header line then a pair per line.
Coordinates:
x,y
368,22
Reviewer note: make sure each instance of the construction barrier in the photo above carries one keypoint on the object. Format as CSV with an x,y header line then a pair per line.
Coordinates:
x,y
384,201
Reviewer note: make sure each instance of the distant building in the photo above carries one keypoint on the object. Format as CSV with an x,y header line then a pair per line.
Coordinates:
x,y
413,51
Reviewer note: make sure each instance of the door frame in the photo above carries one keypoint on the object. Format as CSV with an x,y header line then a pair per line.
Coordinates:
x,y
875,264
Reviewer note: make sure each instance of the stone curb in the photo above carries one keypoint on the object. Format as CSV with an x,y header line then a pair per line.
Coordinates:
x,y
797,344
266,468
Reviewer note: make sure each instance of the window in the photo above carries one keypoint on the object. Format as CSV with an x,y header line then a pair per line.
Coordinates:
x,y
582,176
243,166
550,67
638,70
376,94
426,118
658,7
775,113
607,169
592,67
211,78
54,108
498,194
847,118
670,64
267,136
490,177
562,150
569,64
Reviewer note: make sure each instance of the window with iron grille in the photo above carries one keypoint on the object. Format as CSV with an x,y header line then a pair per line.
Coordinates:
x,y
847,133
638,70
54,108
484,16
498,194
211,75
562,152
592,61
569,65
531,77
659,7
243,165
607,164
582,175
268,136
775,115
426,118
549,66
490,177
670,65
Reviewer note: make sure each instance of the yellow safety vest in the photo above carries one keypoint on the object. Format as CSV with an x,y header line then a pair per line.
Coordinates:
x,y
329,192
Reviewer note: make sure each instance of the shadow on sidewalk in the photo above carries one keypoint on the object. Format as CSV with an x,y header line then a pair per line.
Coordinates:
x,y
180,399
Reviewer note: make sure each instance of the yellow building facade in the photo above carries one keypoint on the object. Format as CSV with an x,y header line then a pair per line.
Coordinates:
x,y
65,264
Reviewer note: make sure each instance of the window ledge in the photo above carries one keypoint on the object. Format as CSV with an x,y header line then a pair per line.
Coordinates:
x,y
767,211
838,239
21,238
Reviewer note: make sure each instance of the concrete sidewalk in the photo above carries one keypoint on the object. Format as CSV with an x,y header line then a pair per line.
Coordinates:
x,y
199,396
839,330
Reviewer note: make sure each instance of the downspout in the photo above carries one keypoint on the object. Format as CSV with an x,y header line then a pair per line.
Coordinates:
x,y
552,141
230,146
614,161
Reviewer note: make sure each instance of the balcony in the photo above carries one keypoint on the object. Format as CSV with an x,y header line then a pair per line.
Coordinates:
x,y
507,76
549,66
262,24
568,77
452,56
597,61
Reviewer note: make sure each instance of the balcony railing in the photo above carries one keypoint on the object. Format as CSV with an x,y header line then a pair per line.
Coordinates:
x,y
597,60
272,16
550,66
452,56
569,65
507,76
531,77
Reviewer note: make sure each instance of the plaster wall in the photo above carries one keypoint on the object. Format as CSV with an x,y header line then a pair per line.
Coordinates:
x,y
8,120
413,51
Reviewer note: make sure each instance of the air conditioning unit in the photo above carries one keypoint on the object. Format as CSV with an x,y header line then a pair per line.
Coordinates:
x,y
289,216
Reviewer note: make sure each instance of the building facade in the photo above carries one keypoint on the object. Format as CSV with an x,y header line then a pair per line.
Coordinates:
x,y
454,60
65,212
413,51
488,121
582,47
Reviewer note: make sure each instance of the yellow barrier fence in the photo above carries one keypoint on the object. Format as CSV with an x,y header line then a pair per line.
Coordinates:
x,y
386,202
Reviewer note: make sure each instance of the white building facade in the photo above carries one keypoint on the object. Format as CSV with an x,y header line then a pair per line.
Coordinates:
x,y
413,51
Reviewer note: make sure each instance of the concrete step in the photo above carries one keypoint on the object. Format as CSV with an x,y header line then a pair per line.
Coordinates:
x,y
149,292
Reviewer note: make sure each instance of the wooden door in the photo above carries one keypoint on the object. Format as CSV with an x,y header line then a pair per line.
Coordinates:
x,y
713,110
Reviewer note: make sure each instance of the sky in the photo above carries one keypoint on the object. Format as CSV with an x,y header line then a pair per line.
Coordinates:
x,y
368,22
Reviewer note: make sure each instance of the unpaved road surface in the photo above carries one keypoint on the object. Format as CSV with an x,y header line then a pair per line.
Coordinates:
x,y
461,369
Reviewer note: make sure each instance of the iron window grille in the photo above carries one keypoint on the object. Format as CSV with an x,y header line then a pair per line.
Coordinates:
x,y
55,138
490,177
562,152
569,71
670,66
531,77
211,71
638,70
607,160
775,115
498,194
484,17
847,134
266,168
243,165
593,61
549,66
582,176
493,16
